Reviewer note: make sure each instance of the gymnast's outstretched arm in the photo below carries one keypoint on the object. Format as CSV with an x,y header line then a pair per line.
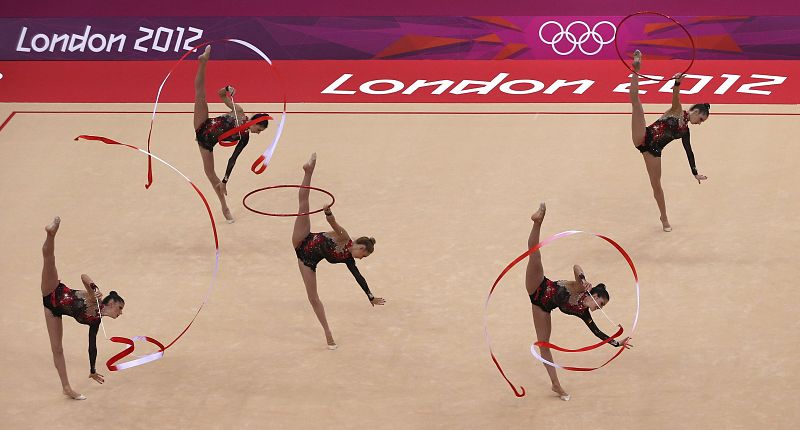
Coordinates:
x,y
676,107
338,229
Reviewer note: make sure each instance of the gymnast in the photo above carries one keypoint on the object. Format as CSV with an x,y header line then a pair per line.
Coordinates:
x,y
59,300
208,130
334,246
577,298
652,139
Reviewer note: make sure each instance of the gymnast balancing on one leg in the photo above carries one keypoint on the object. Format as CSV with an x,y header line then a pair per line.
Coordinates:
x,y
651,140
208,130
576,298
59,300
334,246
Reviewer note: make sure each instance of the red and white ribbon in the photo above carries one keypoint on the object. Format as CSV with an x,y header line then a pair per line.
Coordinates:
x,y
263,161
521,391
113,363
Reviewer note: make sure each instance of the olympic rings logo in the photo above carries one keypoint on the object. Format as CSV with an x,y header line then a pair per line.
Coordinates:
x,y
577,42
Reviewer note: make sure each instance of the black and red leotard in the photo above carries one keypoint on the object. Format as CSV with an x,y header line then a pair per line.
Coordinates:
x,y
663,131
319,246
550,295
65,301
209,132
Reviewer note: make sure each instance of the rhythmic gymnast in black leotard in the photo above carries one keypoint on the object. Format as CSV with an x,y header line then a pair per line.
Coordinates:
x,y
651,140
59,300
334,246
208,130
577,298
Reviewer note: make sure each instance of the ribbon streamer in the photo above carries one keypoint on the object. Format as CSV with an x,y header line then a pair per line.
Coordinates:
x,y
112,362
521,391
224,138
262,162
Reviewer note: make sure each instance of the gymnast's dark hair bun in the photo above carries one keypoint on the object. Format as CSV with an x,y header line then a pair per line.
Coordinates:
x,y
703,108
261,115
113,295
600,290
368,242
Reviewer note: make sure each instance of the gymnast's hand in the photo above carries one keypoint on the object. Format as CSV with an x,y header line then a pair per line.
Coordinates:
x,y
377,301
700,177
678,77
586,285
626,344
97,377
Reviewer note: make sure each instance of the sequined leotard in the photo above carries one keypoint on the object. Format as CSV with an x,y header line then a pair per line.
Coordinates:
x,y
318,246
663,131
550,295
65,301
209,132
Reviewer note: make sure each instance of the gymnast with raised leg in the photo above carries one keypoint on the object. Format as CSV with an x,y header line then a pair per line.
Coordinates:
x,y
208,130
577,298
59,300
334,246
651,140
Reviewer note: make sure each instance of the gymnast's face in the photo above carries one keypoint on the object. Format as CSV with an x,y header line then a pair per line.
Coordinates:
x,y
114,309
257,128
591,303
695,117
359,251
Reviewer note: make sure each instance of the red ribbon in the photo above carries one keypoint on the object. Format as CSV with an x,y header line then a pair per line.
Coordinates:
x,y
261,159
224,140
585,348
258,166
111,363
521,391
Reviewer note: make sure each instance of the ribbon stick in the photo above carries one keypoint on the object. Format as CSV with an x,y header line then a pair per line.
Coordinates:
x,y
112,362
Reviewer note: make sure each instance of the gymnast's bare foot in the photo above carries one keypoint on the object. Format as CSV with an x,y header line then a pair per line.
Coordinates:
x,y
538,216
72,394
226,212
52,228
560,391
665,224
637,60
309,166
331,343
206,54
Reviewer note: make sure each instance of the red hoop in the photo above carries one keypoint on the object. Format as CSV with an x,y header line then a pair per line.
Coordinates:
x,y
244,199
619,54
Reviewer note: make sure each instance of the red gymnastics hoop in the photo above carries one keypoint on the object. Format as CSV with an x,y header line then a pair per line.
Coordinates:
x,y
244,200
619,54
542,244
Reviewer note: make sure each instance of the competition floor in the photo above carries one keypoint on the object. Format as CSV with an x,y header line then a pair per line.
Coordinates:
x,y
448,197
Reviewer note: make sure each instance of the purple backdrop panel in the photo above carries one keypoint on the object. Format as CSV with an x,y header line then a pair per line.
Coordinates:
x,y
257,8
401,37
